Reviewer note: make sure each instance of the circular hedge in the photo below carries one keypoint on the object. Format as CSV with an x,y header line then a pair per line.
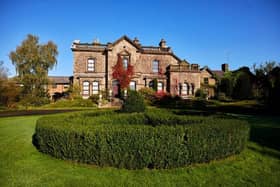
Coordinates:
x,y
154,139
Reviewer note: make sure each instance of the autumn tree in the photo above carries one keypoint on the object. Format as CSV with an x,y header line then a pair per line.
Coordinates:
x,y
122,74
33,61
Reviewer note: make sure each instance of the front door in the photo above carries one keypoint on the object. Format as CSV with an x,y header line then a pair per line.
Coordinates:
x,y
116,88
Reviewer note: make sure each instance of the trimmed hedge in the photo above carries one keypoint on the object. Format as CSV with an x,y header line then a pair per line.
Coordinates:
x,y
154,139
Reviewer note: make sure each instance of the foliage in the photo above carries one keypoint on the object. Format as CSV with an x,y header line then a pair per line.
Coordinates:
x,y
121,74
33,61
201,93
9,91
78,102
267,86
155,84
243,84
134,102
74,91
148,94
29,100
155,139
257,165
227,84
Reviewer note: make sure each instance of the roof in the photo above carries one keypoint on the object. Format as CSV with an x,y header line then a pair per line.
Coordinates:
x,y
59,79
219,73
207,69
77,46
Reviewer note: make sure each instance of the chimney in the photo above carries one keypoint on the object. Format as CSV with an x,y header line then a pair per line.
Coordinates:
x,y
96,41
162,43
224,67
136,41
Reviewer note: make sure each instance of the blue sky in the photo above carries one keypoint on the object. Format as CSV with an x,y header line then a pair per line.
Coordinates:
x,y
205,32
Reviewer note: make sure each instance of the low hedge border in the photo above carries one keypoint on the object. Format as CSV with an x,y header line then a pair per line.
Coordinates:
x,y
154,139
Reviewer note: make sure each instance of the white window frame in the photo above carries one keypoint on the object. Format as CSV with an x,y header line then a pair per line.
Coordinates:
x,y
86,88
125,63
95,87
155,66
160,86
90,64
132,85
184,88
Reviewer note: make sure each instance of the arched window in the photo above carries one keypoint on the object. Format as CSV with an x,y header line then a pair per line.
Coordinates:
x,y
184,88
155,66
125,63
95,87
90,65
160,86
132,85
86,88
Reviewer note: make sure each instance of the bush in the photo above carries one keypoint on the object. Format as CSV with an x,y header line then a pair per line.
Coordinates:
x,y
148,94
78,102
201,93
154,139
134,103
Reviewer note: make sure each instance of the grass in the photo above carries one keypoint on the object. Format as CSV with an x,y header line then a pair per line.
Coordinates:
x,y
22,165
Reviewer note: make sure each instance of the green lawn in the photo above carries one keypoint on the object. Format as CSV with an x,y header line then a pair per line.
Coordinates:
x,y
22,165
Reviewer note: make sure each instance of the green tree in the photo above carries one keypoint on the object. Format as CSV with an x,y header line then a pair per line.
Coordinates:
x,y
263,83
33,61
226,84
243,83
9,91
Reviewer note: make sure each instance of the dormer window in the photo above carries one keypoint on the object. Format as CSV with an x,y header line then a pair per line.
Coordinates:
x,y
90,64
155,66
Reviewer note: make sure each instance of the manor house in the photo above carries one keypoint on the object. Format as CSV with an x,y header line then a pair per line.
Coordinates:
x,y
93,66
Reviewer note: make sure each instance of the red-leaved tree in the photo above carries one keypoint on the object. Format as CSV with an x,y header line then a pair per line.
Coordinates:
x,y
123,75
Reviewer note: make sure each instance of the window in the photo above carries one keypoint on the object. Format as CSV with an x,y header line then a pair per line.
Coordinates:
x,y
65,86
184,89
159,86
125,63
85,88
54,85
90,65
155,66
95,87
206,80
132,85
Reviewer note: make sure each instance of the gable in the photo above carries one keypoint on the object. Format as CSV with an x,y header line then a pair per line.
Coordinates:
x,y
125,40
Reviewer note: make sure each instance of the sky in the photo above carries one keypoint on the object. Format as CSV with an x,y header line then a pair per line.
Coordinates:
x,y
237,32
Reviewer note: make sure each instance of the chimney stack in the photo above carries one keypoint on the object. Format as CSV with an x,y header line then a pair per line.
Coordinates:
x,y
224,67
136,41
162,43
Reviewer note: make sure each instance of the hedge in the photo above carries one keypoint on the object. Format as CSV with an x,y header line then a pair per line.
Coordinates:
x,y
139,140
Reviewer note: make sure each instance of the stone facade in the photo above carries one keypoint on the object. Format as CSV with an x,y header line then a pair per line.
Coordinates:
x,y
93,64
208,81
58,84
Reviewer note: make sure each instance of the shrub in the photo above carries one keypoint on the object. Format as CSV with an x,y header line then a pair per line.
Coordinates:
x,y
148,94
201,93
78,102
134,102
131,141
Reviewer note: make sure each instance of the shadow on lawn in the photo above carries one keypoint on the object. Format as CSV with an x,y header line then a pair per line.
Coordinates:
x,y
266,136
264,122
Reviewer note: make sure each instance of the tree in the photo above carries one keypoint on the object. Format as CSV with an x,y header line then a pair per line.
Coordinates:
x,y
262,78
9,91
33,61
226,84
243,83
123,75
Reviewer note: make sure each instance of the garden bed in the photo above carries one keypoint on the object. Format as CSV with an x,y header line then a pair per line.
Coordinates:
x,y
154,139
